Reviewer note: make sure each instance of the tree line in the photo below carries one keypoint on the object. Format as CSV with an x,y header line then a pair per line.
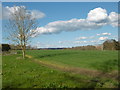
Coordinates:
x,y
107,45
110,44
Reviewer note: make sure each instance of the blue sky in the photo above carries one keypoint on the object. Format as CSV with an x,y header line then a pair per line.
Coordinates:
x,y
66,11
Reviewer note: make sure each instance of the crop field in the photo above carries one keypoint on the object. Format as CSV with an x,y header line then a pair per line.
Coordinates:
x,y
61,69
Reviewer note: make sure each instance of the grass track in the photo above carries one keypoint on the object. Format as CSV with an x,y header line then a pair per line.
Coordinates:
x,y
80,71
75,58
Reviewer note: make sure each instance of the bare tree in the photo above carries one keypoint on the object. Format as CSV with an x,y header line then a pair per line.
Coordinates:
x,y
22,27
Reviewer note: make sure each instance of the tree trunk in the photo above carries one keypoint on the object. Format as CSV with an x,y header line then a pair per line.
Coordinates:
x,y
23,51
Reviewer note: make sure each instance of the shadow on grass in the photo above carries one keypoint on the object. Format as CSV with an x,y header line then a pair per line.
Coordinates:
x,y
55,54
107,66
83,82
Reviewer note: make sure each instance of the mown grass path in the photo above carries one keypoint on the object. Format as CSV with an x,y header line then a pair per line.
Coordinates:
x,y
76,70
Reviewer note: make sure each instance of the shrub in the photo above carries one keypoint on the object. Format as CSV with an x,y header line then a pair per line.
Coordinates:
x,y
5,47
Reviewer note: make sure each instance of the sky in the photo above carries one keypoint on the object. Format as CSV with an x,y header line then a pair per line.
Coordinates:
x,y
60,0
69,24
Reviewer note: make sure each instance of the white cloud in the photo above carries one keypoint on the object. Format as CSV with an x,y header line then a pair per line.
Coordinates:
x,y
94,41
98,34
97,15
96,19
91,37
104,34
79,38
44,45
103,38
61,42
8,11
37,14
66,42
72,42
70,25
79,42
113,18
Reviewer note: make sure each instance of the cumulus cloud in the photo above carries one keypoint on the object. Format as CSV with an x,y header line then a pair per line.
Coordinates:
x,y
70,25
103,38
97,15
9,11
96,19
114,19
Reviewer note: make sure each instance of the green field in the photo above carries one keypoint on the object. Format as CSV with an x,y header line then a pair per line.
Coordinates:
x,y
61,69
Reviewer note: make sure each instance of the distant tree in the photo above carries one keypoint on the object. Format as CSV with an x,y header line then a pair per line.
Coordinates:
x,y
118,45
15,47
88,47
5,47
111,45
22,27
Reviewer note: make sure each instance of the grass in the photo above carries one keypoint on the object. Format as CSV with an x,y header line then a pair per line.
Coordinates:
x,y
26,74
76,58
19,73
